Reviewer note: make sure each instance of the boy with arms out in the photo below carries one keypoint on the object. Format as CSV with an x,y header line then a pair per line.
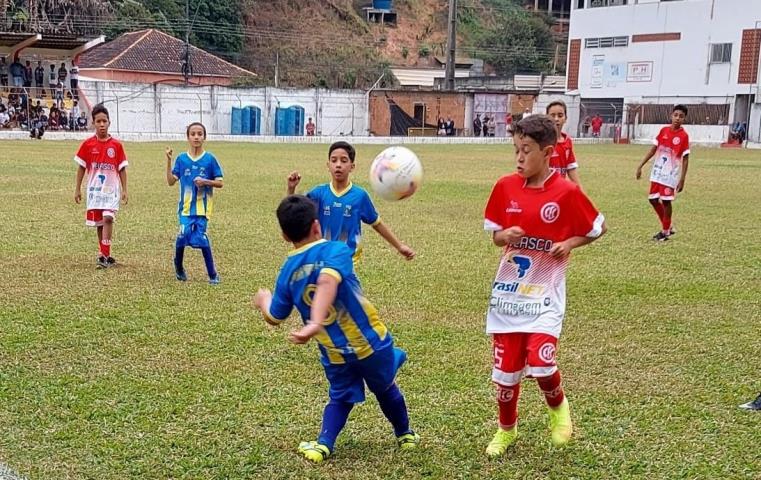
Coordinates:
x,y
343,206
355,347
538,217
563,159
199,174
672,154
102,158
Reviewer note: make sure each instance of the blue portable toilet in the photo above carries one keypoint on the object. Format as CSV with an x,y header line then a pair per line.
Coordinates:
x,y
255,118
237,117
289,121
245,121
297,120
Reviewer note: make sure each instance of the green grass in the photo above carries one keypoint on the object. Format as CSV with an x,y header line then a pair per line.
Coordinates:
x,y
127,373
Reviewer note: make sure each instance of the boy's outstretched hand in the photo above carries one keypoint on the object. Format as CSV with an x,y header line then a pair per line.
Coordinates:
x,y
406,251
168,153
639,173
305,333
262,299
293,181
510,235
77,196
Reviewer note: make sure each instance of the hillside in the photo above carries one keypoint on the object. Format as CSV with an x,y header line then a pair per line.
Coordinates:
x,y
329,43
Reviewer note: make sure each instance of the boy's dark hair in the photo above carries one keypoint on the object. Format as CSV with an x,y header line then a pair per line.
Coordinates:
x,y
556,103
343,145
681,108
196,124
99,108
539,128
296,214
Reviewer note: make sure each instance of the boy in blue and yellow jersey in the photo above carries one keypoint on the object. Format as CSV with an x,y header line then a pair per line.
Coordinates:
x,y
355,347
199,174
343,207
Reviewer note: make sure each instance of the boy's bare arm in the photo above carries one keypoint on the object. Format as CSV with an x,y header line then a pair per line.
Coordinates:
x,y
389,236
78,184
647,158
683,178
170,178
573,175
561,249
123,179
293,181
324,296
507,236
202,182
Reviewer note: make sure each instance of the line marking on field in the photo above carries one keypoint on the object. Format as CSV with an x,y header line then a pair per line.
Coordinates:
x,y
38,192
7,474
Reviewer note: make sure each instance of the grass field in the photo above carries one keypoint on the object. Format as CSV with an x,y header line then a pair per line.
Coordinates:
x,y
127,373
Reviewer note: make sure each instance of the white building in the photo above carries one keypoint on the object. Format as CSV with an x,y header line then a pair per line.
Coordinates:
x,y
625,57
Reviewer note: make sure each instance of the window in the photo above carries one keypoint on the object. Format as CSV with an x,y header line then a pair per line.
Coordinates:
x,y
606,3
580,4
606,42
721,53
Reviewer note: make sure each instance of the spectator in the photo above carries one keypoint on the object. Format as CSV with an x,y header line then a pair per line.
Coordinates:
x,y
82,121
596,125
508,124
59,94
63,73
310,124
22,120
491,126
74,115
451,131
441,127
477,125
39,79
485,126
38,128
3,72
17,74
53,120
52,80
74,81
585,126
37,109
63,120
28,75
5,119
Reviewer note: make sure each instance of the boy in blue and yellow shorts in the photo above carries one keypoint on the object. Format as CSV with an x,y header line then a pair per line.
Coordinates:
x,y
199,174
355,347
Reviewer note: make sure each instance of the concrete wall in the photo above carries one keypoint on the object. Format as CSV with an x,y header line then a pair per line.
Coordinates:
x,y
137,108
438,104
699,134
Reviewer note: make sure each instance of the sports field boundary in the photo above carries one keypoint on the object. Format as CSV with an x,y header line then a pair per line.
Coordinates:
x,y
328,139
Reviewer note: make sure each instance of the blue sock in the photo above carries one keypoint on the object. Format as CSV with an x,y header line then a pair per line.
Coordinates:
x,y
179,254
333,420
208,259
395,409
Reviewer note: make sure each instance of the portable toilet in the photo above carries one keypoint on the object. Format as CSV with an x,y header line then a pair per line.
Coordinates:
x,y
236,127
245,121
281,121
255,118
297,120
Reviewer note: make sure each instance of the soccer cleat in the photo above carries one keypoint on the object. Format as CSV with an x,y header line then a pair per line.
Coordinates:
x,y
660,237
408,441
753,405
314,451
102,262
181,275
111,261
560,423
215,280
502,439
672,231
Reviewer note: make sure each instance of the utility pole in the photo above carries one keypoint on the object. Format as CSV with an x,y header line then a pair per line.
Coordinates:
x,y
186,65
277,69
451,47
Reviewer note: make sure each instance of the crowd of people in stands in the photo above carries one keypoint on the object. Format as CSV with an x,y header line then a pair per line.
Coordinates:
x,y
24,97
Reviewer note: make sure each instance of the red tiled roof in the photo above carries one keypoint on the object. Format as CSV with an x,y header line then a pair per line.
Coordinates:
x,y
155,51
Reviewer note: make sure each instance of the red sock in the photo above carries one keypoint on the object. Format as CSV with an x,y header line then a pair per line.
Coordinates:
x,y
552,389
666,222
507,399
105,248
660,211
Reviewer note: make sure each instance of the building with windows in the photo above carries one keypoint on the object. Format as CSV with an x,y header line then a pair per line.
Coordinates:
x,y
631,60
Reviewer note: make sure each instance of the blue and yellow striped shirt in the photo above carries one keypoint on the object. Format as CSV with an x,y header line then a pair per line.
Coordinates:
x,y
353,330
196,201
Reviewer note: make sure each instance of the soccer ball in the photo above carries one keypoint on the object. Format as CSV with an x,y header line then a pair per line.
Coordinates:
x,y
396,173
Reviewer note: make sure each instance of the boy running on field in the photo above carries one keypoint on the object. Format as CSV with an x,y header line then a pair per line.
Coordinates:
x,y
343,207
538,217
356,348
563,159
672,154
199,173
102,157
